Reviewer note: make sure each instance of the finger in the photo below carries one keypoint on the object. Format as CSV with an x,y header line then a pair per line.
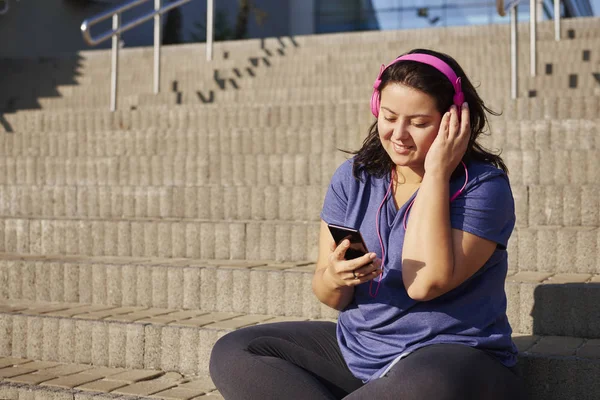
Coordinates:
x,y
365,278
375,263
368,269
443,132
454,128
359,262
465,126
340,251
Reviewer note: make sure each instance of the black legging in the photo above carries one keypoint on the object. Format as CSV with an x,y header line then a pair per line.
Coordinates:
x,y
302,360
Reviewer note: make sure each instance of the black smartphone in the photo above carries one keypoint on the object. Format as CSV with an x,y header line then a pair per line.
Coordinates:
x,y
357,247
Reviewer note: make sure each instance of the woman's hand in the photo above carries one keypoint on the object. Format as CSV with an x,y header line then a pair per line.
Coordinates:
x,y
450,144
353,272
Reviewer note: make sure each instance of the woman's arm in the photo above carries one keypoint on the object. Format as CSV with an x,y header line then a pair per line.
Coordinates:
x,y
333,282
435,257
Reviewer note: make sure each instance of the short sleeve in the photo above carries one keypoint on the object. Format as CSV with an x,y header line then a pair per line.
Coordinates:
x,y
335,204
486,208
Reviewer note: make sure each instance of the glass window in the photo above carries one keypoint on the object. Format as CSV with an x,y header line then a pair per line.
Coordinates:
x,y
351,15
418,18
454,15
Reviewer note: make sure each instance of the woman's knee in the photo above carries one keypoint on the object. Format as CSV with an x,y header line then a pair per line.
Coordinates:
x,y
452,372
226,352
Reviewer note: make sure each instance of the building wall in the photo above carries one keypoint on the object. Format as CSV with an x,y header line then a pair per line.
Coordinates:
x,y
302,17
48,27
346,15
35,28
276,22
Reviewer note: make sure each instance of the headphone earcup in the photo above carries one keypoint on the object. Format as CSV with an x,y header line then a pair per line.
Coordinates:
x,y
375,103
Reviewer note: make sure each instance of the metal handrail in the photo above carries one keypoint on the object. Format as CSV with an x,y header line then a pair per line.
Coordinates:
x,y
557,20
118,29
502,6
4,10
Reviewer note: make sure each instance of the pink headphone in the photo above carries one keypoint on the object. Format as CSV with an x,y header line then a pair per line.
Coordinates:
x,y
435,62
458,99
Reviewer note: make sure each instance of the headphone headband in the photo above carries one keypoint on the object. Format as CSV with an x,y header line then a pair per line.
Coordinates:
x,y
433,61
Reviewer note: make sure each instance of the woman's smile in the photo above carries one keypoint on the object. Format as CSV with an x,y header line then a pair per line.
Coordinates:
x,y
402,149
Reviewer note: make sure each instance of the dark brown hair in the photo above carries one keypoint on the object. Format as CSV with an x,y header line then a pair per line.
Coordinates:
x,y
372,157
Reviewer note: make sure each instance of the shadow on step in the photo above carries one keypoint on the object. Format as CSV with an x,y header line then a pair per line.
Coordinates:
x,y
570,309
25,81
561,360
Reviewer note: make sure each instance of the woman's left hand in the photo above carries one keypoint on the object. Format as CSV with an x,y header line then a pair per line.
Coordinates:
x,y
450,144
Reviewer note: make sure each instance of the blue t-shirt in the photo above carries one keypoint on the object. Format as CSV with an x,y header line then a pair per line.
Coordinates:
x,y
373,332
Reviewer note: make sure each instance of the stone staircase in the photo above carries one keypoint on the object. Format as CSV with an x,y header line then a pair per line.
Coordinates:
x,y
131,241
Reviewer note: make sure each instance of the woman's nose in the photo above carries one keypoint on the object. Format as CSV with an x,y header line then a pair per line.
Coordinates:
x,y
400,131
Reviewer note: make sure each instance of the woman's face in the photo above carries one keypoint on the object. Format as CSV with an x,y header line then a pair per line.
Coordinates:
x,y
408,123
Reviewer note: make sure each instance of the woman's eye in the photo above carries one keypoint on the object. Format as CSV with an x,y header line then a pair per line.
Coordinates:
x,y
389,119
420,125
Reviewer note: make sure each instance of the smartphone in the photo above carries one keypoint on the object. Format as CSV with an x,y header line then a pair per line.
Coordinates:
x,y
357,247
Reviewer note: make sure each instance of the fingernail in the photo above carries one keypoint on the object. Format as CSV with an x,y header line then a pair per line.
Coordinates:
x,y
346,243
465,105
372,256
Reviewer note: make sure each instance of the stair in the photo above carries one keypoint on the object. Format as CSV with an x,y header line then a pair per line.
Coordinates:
x,y
131,241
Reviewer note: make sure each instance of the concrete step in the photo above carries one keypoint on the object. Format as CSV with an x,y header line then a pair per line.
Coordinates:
x,y
559,367
280,240
349,114
576,134
246,92
323,70
256,287
294,62
162,339
543,134
582,28
363,65
185,55
541,303
201,142
214,95
133,337
526,167
197,91
364,59
22,378
265,87
586,84
186,116
290,203
168,170
384,42
538,248
567,205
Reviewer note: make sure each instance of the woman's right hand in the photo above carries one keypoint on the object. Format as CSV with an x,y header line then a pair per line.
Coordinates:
x,y
353,272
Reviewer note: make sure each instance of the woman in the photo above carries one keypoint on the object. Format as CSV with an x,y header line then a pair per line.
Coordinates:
x,y
423,314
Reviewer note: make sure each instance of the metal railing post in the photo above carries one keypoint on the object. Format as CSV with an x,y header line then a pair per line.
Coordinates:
x,y
157,28
513,52
532,36
557,20
114,75
209,29
118,28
